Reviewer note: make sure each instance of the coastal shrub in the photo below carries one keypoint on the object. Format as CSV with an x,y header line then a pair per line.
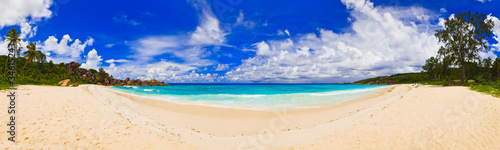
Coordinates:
x,y
492,89
36,73
93,71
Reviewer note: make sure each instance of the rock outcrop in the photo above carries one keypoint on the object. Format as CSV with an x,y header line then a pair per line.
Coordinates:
x,y
66,82
74,69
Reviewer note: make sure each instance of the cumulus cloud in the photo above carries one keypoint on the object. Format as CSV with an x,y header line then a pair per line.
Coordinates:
x,y
263,49
27,31
64,50
93,60
161,70
383,41
221,67
24,13
496,31
14,12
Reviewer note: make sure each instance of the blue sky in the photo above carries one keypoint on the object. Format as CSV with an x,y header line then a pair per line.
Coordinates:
x,y
239,40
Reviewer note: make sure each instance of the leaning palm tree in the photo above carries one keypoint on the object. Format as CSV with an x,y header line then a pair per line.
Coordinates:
x,y
14,42
32,55
41,57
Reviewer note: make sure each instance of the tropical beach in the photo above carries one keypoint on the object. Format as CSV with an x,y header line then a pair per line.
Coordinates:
x,y
249,75
401,117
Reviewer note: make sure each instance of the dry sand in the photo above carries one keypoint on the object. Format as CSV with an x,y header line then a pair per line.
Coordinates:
x,y
401,117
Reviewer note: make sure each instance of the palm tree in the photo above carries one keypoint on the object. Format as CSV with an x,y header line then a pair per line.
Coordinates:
x,y
32,55
14,41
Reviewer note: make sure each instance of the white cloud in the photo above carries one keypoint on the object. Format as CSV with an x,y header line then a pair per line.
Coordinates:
x,y
240,21
3,46
280,32
27,31
222,67
148,47
109,45
118,61
162,70
17,12
443,10
263,49
383,41
123,18
209,31
64,50
93,60
14,12
483,1
488,54
496,31
190,48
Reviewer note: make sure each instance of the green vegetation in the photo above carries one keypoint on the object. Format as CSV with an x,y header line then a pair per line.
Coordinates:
x,y
33,67
402,78
37,73
464,36
492,88
421,77
13,40
33,55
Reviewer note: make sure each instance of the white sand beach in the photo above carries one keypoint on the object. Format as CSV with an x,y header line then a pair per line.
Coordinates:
x,y
400,117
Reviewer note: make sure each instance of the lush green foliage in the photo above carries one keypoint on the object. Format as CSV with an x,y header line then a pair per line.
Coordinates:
x,y
464,36
37,73
453,74
492,88
399,78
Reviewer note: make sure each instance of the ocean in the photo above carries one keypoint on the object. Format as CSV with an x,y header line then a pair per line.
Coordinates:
x,y
265,97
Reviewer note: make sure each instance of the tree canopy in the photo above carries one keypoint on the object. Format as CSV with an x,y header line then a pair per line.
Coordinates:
x,y
464,36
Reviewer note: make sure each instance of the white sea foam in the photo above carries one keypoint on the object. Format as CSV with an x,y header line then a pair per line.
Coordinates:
x,y
262,102
346,92
248,95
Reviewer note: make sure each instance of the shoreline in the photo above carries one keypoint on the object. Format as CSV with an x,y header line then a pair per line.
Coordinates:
x,y
253,119
378,92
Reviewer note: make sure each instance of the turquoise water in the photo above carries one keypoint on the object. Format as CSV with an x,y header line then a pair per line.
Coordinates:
x,y
254,96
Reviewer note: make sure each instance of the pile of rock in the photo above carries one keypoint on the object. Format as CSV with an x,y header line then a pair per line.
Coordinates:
x,y
74,69
116,82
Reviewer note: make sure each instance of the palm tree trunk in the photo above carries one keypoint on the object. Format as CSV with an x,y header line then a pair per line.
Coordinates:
x,y
6,69
21,75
